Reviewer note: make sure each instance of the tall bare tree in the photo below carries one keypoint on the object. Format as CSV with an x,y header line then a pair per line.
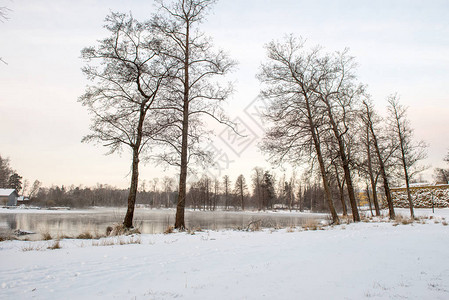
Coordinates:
x,y
370,117
167,183
241,189
226,189
193,91
257,181
339,94
367,161
292,77
409,152
127,76
34,190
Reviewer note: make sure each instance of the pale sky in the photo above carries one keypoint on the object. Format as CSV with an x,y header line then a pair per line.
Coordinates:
x,y
400,46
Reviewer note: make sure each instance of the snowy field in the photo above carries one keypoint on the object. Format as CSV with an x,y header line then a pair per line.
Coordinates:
x,y
374,260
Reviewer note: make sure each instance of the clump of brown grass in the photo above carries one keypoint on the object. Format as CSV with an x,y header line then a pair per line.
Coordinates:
x,y
365,218
291,229
311,224
55,245
344,219
254,225
400,219
46,236
104,242
118,241
192,231
32,247
120,229
86,235
64,236
130,240
169,230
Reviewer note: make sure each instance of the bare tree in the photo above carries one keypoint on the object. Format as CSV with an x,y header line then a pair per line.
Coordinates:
x,y
154,184
216,196
34,189
193,92
241,189
409,152
292,76
127,75
257,180
339,93
340,181
168,183
367,162
370,120
226,188
25,186
291,191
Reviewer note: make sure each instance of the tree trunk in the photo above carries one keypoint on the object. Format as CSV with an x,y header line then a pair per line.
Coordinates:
x,y
345,163
341,190
371,175
407,184
327,190
369,200
384,175
128,222
180,208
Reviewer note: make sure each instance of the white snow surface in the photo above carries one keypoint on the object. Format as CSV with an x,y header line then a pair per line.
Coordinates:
x,y
376,260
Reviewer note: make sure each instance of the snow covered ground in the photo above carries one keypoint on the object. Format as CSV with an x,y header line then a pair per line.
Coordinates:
x,y
357,261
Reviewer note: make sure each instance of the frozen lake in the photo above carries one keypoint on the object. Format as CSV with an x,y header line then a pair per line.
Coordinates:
x,y
74,222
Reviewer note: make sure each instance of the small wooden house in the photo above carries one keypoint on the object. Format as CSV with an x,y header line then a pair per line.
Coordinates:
x,y
23,200
8,197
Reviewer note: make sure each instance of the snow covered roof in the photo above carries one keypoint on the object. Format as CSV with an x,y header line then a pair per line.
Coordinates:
x,y
6,192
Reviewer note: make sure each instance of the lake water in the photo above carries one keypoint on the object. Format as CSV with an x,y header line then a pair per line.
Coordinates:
x,y
75,222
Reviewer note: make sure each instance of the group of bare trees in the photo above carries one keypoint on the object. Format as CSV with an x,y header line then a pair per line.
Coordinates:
x,y
321,115
153,84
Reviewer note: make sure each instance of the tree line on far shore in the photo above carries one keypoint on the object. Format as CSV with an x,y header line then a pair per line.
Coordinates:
x,y
264,190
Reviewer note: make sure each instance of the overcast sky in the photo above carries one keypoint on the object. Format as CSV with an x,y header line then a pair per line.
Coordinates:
x,y
400,46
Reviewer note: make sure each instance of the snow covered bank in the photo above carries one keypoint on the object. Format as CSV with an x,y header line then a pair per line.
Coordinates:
x,y
356,261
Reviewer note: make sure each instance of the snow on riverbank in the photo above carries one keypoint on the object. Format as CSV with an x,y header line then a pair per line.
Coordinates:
x,y
356,261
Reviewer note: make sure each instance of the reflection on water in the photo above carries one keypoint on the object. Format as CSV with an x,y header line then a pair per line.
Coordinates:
x,y
73,223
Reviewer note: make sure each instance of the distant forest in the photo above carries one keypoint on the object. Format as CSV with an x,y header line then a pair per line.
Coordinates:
x,y
205,194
